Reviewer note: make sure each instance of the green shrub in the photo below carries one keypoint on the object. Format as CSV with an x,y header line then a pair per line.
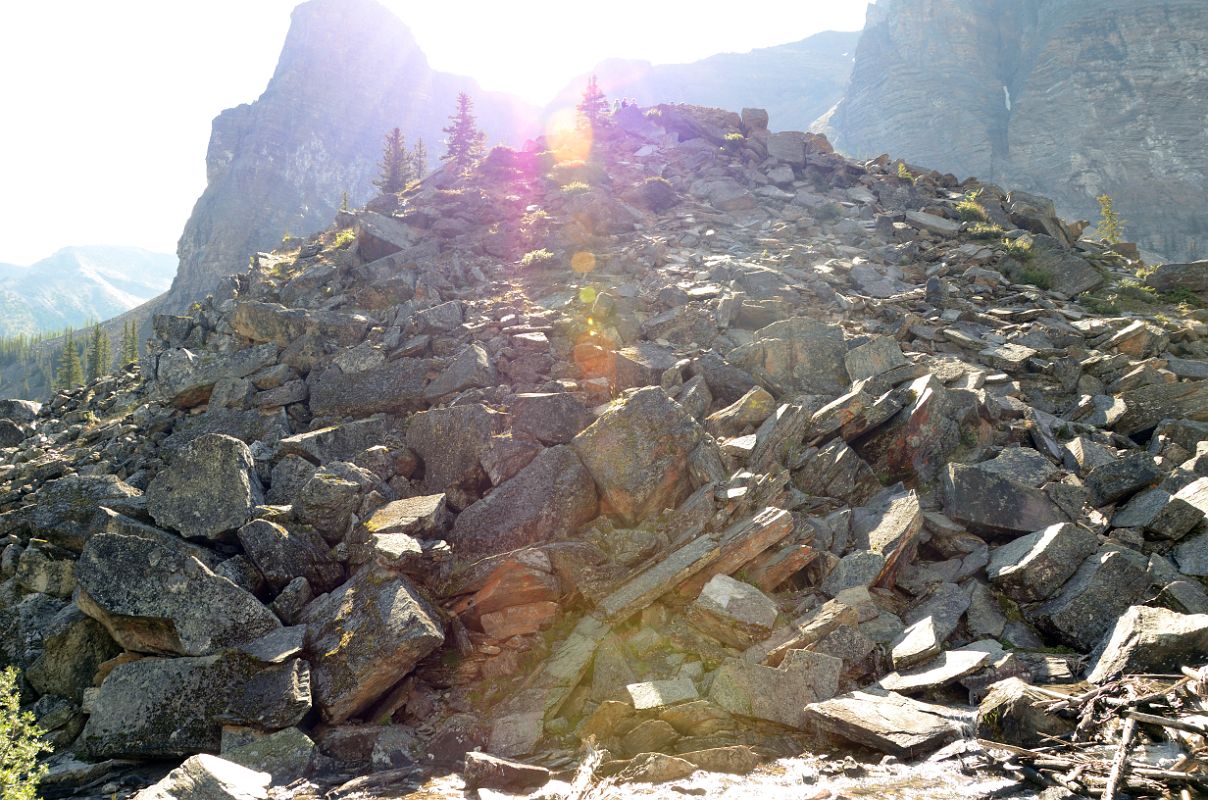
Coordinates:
x,y
535,259
344,237
575,187
658,194
1035,277
1020,248
904,173
969,210
985,230
20,743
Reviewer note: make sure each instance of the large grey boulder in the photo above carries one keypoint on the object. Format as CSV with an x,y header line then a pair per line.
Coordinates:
x,y
209,489
185,379
1155,640
471,368
394,387
1032,567
206,777
282,555
546,501
272,322
73,646
154,594
887,722
162,707
342,442
69,510
550,418
367,636
328,501
638,453
776,694
1104,586
451,442
989,502
796,356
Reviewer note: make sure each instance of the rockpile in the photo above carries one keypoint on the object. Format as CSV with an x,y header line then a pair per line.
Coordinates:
x,y
708,448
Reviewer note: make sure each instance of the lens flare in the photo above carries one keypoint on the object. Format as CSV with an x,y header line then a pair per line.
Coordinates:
x,y
568,138
587,296
583,262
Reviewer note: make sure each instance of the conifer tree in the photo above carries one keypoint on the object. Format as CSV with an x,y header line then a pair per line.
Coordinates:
x,y
344,201
465,143
129,342
396,164
593,106
419,159
100,353
71,370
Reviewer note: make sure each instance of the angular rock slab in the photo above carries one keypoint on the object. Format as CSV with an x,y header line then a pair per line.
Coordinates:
x,y
546,501
153,594
282,555
1032,567
210,488
162,707
994,504
638,454
451,442
366,636
1146,639
733,612
1102,589
206,777
887,722
776,694
796,356
949,667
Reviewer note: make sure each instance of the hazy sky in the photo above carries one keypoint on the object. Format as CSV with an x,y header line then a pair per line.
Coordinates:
x,y
107,105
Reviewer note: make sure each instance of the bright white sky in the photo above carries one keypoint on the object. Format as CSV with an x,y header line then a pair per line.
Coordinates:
x,y
107,105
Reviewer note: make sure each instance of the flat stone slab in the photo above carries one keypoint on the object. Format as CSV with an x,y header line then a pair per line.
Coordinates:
x,y
660,694
887,722
776,694
945,669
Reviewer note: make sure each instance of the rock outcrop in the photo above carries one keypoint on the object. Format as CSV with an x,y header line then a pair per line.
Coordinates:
x,y
1068,99
348,73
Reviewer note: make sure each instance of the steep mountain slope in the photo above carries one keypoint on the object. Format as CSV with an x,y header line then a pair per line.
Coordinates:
x,y
1072,99
796,83
78,284
349,72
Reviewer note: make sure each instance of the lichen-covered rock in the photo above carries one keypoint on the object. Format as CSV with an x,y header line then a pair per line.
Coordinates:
x,y
73,646
208,490
366,636
154,594
282,555
162,707
796,356
451,443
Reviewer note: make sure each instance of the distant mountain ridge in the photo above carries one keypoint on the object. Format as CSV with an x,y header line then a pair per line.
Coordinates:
x,y
79,284
796,83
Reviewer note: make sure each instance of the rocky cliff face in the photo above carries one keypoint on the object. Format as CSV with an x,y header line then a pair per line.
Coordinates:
x,y
796,83
1072,99
348,73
